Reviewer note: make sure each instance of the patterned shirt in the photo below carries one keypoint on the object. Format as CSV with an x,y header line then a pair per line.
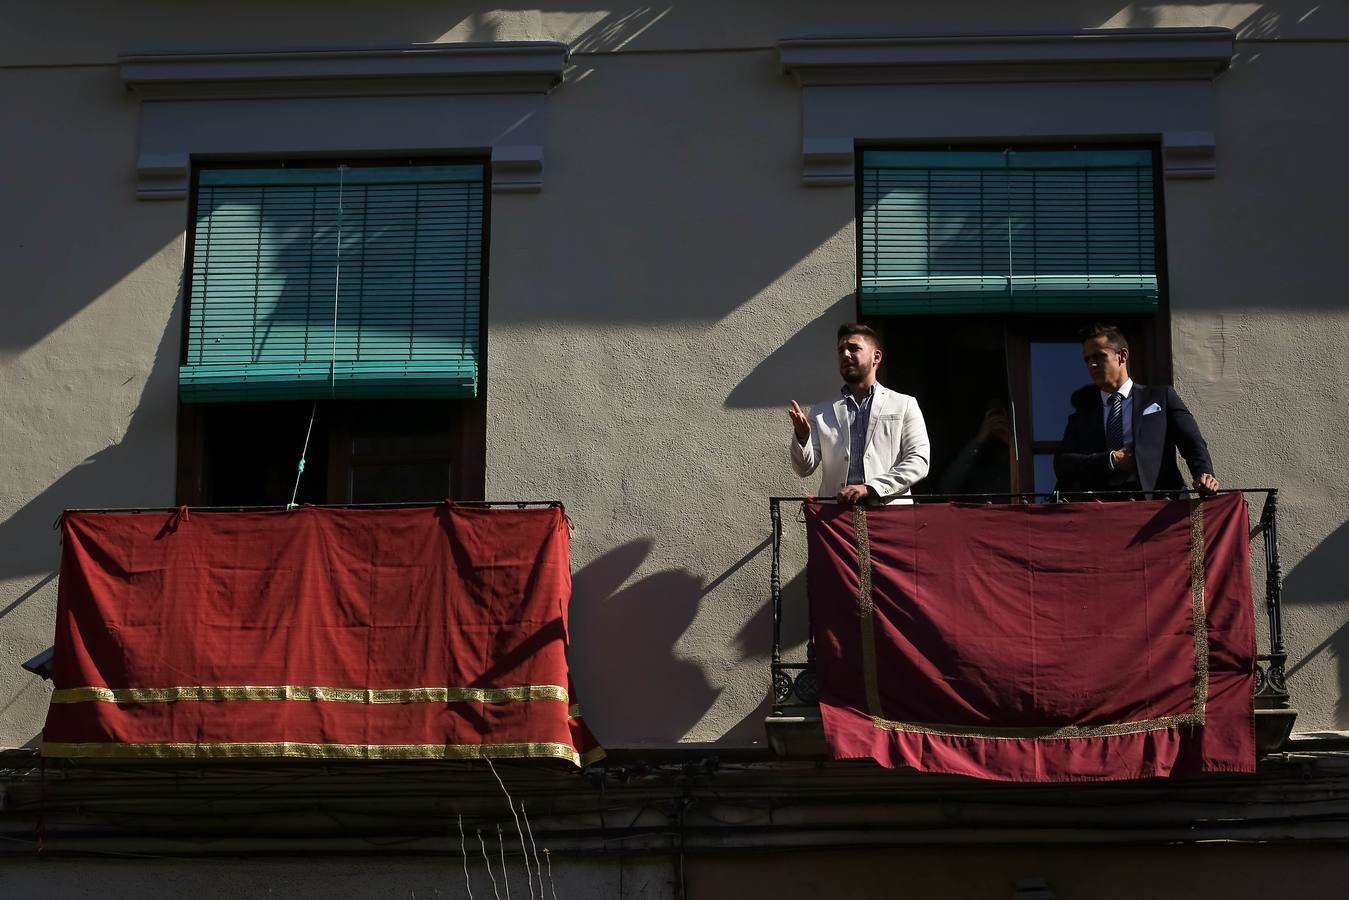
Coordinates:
x,y
860,415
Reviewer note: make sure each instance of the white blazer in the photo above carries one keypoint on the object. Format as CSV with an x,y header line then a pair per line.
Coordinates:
x,y
897,450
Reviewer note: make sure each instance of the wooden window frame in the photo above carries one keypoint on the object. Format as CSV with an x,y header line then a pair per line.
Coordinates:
x,y
467,456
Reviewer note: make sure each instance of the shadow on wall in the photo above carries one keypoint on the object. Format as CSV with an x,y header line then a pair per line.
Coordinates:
x,y
600,30
800,369
618,27
726,220
1250,20
625,635
611,30
126,473
623,642
69,289
1320,580
754,643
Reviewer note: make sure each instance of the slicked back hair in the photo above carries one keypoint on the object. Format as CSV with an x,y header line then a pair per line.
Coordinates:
x,y
866,331
1113,336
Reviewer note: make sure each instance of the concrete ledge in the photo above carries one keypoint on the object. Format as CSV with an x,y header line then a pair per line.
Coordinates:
x,y
796,737
478,99
518,66
1091,54
1272,727
676,799
1105,85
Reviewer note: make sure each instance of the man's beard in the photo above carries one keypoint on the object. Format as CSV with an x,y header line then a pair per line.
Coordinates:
x,y
855,374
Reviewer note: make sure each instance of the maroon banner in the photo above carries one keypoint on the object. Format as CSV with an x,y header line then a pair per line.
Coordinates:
x,y
1061,642
432,633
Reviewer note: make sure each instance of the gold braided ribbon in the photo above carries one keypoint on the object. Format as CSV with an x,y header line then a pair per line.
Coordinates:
x,y
314,693
1195,716
300,750
866,610
1197,610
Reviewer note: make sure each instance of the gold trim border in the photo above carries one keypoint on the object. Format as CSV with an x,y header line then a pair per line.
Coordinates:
x,y
1198,610
866,610
301,750
213,693
1196,715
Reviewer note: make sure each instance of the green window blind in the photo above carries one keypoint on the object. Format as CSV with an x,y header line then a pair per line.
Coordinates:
x,y
974,232
327,282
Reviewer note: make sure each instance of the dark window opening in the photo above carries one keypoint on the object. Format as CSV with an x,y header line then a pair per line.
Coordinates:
x,y
360,451
993,373
980,379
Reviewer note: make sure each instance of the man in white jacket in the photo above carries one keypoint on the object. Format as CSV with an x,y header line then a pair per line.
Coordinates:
x,y
871,443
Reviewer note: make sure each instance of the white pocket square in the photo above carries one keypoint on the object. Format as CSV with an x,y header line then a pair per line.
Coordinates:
x,y
1152,408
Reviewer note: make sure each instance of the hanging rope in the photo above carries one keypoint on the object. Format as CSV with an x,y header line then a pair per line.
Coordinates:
x,y
299,469
337,280
1011,270
332,362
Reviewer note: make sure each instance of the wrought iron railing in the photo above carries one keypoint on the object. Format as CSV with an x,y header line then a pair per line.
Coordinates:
x,y
794,683
279,507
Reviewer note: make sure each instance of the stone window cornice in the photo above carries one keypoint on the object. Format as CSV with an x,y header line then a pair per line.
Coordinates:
x,y
424,99
1094,85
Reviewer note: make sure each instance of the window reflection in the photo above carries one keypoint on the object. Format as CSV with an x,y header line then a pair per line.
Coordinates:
x,y
1044,472
1055,372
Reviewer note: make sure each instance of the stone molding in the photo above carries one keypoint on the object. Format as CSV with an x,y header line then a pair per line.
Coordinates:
x,y
1093,86
420,100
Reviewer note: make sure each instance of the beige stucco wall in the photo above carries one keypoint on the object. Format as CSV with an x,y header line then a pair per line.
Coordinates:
x,y
653,308
88,343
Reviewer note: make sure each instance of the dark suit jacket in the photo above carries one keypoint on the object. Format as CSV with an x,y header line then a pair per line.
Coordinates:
x,y
1082,462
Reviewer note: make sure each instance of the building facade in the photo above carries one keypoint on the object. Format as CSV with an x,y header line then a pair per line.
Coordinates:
x,y
672,217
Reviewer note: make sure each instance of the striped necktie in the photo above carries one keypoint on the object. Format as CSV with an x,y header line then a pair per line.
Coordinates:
x,y
1114,423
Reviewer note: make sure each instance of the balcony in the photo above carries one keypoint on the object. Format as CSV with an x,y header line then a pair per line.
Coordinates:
x,y
794,724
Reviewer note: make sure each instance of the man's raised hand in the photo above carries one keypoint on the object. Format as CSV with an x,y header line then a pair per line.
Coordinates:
x,y
800,424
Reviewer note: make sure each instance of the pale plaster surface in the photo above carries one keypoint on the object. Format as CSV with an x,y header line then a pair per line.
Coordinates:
x,y
87,32
88,345
652,310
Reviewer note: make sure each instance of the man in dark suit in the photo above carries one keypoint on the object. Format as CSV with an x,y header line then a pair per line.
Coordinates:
x,y
1124,436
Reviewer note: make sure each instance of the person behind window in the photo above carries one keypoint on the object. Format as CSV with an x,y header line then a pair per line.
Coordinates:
x,y
871,444
983,465
1124,436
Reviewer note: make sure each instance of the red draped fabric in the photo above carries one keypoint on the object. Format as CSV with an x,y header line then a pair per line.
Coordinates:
x,y
433,632
1063,642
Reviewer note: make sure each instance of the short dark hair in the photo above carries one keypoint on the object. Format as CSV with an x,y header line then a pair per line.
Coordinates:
x,y
1113,336
866,331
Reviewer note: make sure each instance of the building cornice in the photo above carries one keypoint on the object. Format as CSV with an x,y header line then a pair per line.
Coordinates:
x,y
1103,85
508,67
1093,54
659,802
436,99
